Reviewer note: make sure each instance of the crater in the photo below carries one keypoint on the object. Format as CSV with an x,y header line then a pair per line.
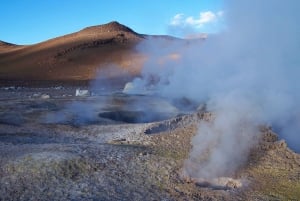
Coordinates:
x,y
135,116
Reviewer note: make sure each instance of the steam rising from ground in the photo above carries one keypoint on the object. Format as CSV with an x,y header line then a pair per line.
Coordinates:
x,y
247,75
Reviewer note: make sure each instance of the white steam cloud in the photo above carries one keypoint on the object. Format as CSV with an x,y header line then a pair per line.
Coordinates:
x,y
182,24
204,18
247,75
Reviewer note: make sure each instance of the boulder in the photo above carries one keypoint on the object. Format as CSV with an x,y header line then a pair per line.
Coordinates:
x,y
82,92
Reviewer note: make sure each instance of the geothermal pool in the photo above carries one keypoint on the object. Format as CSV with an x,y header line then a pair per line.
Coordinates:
x,y
60,106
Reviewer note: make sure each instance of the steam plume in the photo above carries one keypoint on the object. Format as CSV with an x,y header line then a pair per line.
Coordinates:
x,y
247,75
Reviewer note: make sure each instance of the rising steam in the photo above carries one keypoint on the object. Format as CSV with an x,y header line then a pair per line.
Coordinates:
x,y
247,75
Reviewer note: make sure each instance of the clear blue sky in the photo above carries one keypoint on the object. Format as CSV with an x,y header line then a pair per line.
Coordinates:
x,y
32,21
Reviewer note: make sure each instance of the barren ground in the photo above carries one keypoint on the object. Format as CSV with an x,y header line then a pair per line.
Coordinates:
x,y
44,157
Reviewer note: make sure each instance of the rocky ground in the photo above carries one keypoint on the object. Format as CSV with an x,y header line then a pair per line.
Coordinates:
x,y
52,150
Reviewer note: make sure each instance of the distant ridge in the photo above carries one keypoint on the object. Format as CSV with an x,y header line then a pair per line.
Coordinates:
x,y
3,43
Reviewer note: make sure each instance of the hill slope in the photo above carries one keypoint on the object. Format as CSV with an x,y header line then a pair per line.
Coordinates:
x,y
75,56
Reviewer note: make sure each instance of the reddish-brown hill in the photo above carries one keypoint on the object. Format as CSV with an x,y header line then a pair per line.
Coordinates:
x,y
73,57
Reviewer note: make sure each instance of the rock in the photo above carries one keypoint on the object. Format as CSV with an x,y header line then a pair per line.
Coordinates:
x,y
58,87
82,92
9,88
221,183
45,96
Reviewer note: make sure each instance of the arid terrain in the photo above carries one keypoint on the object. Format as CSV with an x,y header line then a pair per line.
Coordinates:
x,y
55,145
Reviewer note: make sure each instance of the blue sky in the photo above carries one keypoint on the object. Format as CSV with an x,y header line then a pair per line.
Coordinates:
x,y
32,21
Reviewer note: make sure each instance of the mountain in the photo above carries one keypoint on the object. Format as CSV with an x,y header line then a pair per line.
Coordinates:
x,y
73,57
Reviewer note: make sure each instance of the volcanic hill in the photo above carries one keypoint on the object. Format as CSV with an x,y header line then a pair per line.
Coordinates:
x,y
73,57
